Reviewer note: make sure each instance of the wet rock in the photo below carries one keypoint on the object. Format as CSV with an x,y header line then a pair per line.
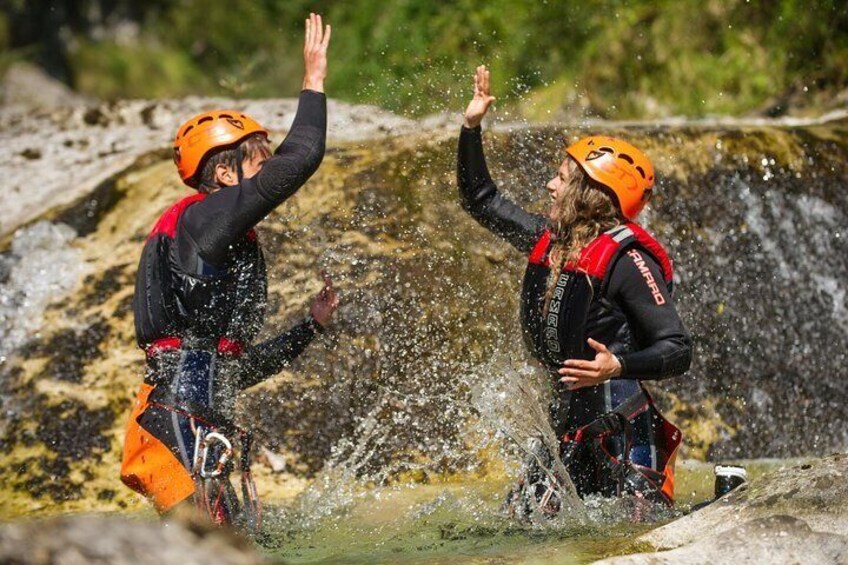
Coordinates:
x,y
74,431
47,478
100,141
794,515
113,539
100,286
776,539
70,350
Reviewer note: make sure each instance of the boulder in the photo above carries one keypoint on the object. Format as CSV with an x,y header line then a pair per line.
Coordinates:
x,y
793,515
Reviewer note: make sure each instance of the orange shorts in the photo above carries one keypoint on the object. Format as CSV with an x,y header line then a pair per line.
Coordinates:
x,y
148,466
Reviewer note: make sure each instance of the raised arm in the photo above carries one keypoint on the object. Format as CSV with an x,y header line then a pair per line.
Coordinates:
x,y
478,193
212,225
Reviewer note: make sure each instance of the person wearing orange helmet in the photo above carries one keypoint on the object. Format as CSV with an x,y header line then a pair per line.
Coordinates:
x,y
596,310
201,294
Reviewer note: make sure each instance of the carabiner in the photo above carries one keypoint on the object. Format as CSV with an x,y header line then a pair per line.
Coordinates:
x,y
210,438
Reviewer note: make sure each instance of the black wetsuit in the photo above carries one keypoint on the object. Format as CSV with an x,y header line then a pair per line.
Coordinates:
x,y
201,292
648,338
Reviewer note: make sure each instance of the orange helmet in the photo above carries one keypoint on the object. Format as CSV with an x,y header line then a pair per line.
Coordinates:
x,y
620,167
206,132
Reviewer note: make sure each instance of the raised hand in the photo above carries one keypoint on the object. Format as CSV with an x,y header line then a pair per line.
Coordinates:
x,y
479,105
325,303
315,53
579,373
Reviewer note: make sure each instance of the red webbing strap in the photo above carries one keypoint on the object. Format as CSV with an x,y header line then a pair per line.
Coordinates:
x,y
226,346
163,344
628,410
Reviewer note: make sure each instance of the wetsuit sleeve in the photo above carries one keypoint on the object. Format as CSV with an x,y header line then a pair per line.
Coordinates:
x,y
270,357
480,197
665,348
216,222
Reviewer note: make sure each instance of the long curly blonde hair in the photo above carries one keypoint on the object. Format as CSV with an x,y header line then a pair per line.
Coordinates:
x,y
585,210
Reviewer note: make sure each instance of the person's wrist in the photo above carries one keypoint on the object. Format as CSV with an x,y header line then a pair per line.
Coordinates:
x,y
313,323
620,370
313,84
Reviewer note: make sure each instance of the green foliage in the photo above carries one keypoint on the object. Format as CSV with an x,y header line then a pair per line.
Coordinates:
x,y
110,71
607,57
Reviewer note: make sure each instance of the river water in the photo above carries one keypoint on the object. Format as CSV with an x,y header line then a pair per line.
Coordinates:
x,y
460,521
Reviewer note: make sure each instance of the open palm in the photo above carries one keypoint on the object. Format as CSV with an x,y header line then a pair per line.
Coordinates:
x,y
315,44
479,105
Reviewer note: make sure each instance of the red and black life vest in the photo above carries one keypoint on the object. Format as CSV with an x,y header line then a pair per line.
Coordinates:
x,y
172,302
578,309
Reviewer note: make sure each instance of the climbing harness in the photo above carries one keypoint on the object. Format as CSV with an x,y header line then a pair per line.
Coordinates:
x,y
592,442
214,495
587,451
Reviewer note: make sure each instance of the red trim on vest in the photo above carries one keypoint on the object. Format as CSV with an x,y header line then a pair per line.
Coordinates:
x,y
596,256
226,346
163,344
167,223
648,242
539,255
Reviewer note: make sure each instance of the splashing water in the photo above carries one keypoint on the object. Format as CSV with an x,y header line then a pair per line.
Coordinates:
x,y
348,515
41,266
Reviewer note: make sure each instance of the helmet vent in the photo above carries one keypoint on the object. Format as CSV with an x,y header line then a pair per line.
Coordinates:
x,y
204,119
641,171
626,157
606,149
226,116
186,130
